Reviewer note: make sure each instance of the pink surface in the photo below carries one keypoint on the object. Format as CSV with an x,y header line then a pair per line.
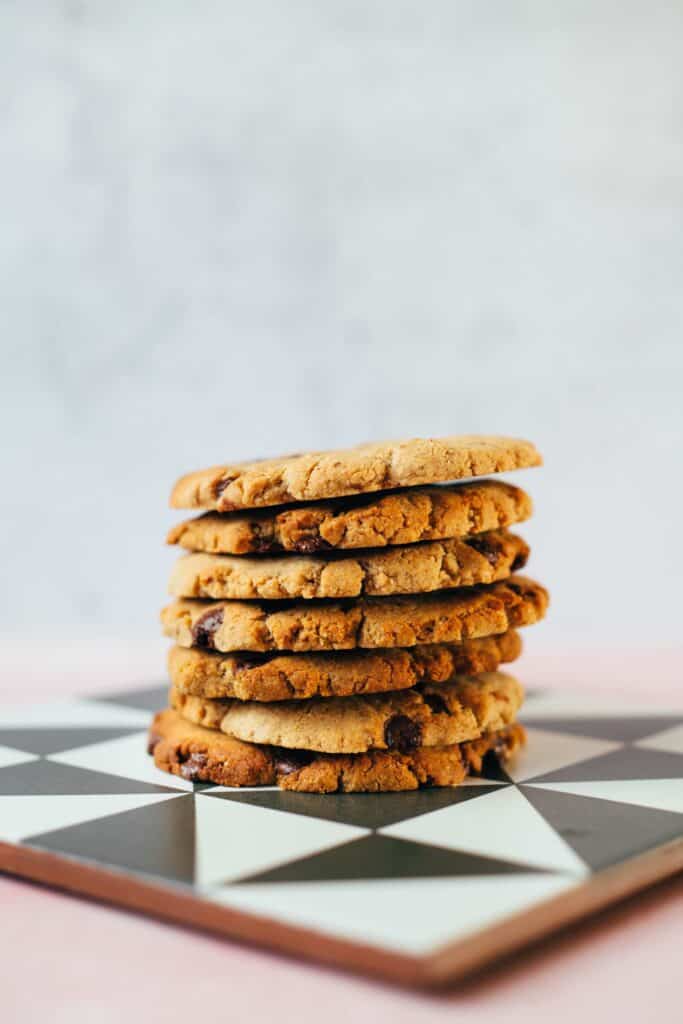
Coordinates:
x,y
67,960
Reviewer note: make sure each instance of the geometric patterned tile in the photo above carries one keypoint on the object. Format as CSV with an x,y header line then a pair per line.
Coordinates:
x,y
9,756
623,730
71,714
502,824
364,810
623,763
155,837
40,777
604,832
666,794
548,751
670,739
381,856
126,757
234,840
151,699
51,741
25,816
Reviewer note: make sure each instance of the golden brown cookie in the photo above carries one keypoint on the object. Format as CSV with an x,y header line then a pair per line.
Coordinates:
x,y
403,517
431,715
379,466
268,677
448,617
205,755
408,569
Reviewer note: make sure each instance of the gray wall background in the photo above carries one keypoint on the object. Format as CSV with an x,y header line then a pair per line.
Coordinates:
x,y
238,229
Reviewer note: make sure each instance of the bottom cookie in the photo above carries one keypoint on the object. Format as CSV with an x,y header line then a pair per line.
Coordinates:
x,y
206,755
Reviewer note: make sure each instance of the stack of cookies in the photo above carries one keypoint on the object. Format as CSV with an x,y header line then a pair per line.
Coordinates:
x,y
340,618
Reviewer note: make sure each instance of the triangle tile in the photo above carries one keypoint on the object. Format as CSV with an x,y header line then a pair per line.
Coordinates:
x,y
666,794
365,810
623,730
414,915
127,758
154,836
548,751
40,777
624,763
584,704
503,824
71,714
10,756
381,856
22,817
235,839
153,698
52,740
603,832
670,740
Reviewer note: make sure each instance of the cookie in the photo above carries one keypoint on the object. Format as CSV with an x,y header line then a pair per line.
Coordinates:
x,y
268,677
204,755
448,617
404,517
379,466
408,569
431,715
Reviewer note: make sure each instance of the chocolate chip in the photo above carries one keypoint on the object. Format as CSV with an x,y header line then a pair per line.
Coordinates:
x,y
402,733
288,761
309,545
193,766
519,561
153,740
206,626
436,702
486,547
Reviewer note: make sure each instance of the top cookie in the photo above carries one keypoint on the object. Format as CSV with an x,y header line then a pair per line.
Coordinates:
x,y
377,521
379,466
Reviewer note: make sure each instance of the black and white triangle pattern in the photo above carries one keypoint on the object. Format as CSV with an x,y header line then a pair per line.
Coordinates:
x,y
596,785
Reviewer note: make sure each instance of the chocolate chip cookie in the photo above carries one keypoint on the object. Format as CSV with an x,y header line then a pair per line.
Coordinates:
x,y
268,677
408,569
447,617
366,468
205,755
402,517
429,715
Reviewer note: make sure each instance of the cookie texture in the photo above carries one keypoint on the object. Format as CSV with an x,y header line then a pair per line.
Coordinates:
x,y
205,755
404,517
370,622
379,466
431,715
270,677
408,569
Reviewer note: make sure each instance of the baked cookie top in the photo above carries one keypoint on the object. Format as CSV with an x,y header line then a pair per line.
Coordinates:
x,y
445,617
430,715
269,677
205,755
407,569
402,517
378,466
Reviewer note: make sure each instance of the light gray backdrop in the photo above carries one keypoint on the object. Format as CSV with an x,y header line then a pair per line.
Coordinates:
x,y
237,229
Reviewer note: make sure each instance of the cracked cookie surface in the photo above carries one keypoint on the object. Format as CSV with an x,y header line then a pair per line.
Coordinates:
x,y
368,622
403,517
430,715
379,466
205,755
408,569
269,677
